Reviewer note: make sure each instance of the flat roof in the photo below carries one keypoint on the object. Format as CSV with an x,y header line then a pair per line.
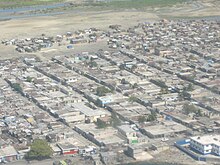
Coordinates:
x,y
8,151
66,146
126,128
208,139
165,129
88,111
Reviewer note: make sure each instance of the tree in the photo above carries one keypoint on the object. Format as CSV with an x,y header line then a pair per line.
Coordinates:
x,y
101,91
92,64
161,83
132,99
192,57
101,124
214,88
190,87
123,81
121,67
133,67
17,87
190,108
152,117
40,149
142,119
29,79
187,108
184,95
135,85
199,112
164,90
115,121
149,118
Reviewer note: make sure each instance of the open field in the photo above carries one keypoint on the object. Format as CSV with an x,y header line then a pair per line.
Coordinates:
x,y
109,4
137,4
53,25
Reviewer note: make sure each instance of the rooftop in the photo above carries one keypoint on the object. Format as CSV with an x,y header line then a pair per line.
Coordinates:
x,y
208,139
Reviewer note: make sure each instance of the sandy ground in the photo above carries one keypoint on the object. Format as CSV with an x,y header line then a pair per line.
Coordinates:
x,y
174,155
70,22
53,25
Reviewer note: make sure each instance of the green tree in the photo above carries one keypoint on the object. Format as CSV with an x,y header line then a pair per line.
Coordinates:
x,y
164,90
149,118
115,121
17,87
101,124
123,81
192,57
135,85
142,119
121,67
40,150
132,99
189,87
199,112
29,79
161,83
133,68
152,117
187,108
184,95
92,64
190,108
102,91
215,89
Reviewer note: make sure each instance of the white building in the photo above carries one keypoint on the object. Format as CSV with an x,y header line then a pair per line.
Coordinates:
x,y
206,144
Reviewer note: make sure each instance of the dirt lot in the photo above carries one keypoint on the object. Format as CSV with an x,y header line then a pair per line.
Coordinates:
x,y
54,25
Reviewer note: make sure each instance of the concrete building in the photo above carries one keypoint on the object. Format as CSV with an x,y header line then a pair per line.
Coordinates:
x,y
128,133
101,137
8,154
206,144
165,129
68,148
90,114
109,158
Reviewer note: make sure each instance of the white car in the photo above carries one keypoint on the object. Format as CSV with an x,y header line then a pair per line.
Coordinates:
x,y
164,139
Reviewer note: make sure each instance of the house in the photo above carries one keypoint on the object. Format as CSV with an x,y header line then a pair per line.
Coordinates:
x,y
56,149
8,154
78,41
209,144
109,158
168,128
162,51
102,137
105,100
90,114
128,133
134,151
138,152
68,148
